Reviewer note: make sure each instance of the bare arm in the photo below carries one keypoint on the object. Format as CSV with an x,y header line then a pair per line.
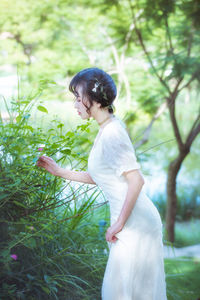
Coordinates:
x,y
135,183
80,176
51,166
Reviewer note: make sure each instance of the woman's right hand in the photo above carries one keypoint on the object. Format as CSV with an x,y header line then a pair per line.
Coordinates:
x,y
49,164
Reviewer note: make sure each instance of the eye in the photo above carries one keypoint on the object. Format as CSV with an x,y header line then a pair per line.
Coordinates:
x,y
77,98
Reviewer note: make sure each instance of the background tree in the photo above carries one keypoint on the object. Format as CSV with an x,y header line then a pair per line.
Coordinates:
x,y
171,49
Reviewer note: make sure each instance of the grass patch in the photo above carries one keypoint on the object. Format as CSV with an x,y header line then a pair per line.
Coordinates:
x,y
182,277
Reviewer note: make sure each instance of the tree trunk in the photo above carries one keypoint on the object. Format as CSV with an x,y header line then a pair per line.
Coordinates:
x,y
173,170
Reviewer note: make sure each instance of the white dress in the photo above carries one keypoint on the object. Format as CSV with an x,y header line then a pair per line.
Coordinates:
x,y
135,267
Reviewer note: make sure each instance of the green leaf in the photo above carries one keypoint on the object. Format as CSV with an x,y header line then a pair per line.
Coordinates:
x,y
35,159
55,146
28,127
18,118
60,125
42,109
46,290
19,204
24,102
5,253
2,196
47,278
54,289
30,243
69,134
66,151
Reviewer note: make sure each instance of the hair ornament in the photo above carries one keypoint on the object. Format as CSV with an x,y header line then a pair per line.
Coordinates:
x,y
96,85
99,84
111,106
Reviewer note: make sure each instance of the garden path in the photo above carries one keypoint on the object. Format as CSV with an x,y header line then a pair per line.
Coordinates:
x,y
172,252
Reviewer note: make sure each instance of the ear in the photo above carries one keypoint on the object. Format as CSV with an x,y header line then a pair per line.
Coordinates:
x,y
97,104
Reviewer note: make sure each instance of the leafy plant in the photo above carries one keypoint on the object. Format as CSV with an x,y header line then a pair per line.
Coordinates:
x,y
45,220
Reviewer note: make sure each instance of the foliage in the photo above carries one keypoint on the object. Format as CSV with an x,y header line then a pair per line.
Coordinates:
x,y
21,145
52,260
182,278
44,221
42,39
187,206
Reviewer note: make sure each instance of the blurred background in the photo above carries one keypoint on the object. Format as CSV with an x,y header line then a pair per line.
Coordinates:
x,y
151,49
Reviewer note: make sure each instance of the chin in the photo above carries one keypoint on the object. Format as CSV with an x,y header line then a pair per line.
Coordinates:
x,y
85,117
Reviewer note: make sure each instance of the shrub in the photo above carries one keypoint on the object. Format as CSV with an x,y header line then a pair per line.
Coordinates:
x,y
45,250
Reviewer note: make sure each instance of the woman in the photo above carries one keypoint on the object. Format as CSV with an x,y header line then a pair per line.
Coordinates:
x,y
135,269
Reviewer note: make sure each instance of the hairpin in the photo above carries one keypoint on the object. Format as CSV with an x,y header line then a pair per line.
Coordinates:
x,y
96,85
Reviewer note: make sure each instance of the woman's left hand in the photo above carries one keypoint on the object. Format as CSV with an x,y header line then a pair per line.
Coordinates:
x,y
111,231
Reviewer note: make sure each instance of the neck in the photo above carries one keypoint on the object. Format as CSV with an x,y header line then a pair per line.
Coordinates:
x,y
103,117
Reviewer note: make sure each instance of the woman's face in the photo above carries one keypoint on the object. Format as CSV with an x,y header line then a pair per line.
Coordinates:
x,y
79,103
81,108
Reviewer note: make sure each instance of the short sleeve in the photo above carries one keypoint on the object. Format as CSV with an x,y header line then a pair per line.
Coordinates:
x,y
118,151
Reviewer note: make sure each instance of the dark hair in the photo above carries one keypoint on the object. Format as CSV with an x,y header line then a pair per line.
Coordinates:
x,y
97,86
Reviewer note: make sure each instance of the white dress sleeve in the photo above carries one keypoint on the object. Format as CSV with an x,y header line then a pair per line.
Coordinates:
x,y
118,151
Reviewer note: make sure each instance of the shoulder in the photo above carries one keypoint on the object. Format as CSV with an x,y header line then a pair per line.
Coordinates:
x,y
115,133
114,128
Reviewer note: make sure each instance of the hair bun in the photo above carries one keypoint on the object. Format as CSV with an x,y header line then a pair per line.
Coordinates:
x,y
97,86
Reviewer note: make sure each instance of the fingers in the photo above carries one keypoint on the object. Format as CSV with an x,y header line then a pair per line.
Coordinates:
x,y
42,161
114,239
45,158
47,163
40,164
111,238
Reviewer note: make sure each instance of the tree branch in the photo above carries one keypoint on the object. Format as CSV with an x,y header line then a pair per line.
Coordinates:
x,y
195,130
127,39
140,38
190,81
146,132
170,102
122,62
119,59
27,48
169,35
171,106
189,45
